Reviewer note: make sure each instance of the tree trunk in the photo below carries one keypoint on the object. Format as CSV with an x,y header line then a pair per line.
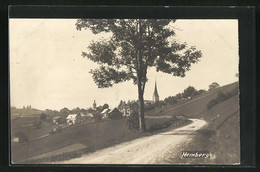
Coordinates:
x,y
140,77
142,126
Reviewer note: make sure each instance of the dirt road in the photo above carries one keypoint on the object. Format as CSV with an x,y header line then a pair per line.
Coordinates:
x,y
147,150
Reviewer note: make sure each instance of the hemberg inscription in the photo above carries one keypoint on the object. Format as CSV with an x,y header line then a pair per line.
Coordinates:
x,y
195,154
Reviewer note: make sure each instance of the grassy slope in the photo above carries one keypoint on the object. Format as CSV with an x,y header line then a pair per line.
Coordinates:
x,y
94,136
221,137
196,107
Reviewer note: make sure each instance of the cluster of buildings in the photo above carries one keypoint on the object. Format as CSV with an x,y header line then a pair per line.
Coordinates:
x,y
124,109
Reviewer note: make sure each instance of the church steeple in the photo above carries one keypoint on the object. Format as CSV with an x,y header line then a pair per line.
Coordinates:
x,y
155,94
94,105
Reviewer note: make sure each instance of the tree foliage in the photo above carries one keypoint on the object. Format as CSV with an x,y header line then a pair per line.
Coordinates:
x,y
105,106
214,85
43,117
189,92
136,45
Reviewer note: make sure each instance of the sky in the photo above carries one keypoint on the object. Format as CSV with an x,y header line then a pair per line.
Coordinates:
x,y
47,70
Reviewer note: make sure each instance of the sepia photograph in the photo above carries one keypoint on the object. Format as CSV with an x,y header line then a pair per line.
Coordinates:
x,y
124,91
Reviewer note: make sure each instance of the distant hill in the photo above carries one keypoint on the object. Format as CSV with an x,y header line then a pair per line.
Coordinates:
x,y
19,112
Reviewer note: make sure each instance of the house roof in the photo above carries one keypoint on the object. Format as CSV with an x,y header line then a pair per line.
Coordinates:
x,y
105,110
56,117
115,109
83,114
71,116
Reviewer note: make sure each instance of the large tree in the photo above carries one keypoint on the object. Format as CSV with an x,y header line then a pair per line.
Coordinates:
x,y
135,45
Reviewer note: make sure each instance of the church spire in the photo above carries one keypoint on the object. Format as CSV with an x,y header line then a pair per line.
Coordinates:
x,y
94,105
155,93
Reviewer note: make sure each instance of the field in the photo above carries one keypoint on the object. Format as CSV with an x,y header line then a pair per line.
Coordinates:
x,y
97,135
93,136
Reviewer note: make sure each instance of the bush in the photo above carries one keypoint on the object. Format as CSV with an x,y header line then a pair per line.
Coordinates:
x,y
221,97
43,117
175,120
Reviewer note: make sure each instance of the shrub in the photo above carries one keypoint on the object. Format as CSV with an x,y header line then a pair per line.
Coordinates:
x,y
175,120
43,117
221,97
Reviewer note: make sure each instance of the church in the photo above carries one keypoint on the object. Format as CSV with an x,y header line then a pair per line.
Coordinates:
x,y
155,94
155,97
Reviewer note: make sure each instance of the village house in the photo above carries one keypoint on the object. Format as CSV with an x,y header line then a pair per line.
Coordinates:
x,y
73,119
86,116
89,114
104,113
115,114
56,120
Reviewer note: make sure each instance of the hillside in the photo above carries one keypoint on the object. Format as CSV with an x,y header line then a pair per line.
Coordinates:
x,y
93,136
220,118
19,112
221,137
195,107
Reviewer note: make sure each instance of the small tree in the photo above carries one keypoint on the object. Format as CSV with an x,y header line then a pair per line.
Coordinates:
x,y
201,91
136,45
76,110
189,92
43,117
213,86
65,111
178,96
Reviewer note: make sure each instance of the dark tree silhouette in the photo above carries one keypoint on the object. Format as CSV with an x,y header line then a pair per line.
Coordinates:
x,y
189,92
214,85
105,106
43,117
135,45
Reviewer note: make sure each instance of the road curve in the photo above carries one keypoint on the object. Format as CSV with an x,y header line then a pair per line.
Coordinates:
x,y
146,150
